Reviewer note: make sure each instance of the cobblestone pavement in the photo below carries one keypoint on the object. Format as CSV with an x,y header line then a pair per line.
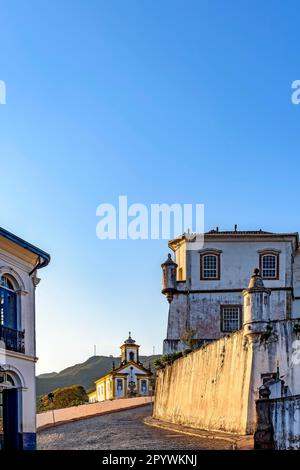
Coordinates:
x,y
121,430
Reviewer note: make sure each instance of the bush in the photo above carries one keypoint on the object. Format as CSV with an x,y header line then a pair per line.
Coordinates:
x,y
158,364
167,359
63,398
187,351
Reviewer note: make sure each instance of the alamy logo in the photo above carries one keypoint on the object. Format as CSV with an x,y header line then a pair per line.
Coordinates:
x,y
2,92
295,97
154,222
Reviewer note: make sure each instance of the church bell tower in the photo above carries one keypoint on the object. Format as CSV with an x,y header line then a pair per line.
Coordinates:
x,y
129,350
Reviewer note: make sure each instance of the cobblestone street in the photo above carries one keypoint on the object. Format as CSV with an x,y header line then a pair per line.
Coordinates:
x,y
122,430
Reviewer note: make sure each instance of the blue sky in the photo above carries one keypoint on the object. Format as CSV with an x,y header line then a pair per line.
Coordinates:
x,y
172,101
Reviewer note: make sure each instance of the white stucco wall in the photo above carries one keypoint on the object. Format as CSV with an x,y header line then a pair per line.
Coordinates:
x,y
22,370
209,388
285,418
22,366
132,373
278,350
216,386
238,260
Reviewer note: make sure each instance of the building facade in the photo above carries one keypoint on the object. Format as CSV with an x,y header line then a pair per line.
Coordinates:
x,y
244,377
129,379
19,262
204,286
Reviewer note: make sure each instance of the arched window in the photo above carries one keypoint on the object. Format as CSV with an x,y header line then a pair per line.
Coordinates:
x,y
131,356
210,266
269,265
8,303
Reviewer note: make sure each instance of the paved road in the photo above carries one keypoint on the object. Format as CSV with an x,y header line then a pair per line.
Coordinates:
x,y
122,430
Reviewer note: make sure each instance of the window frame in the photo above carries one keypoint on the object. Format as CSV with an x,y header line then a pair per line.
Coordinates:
x,y
120,381
277,257
240,309
8,288
144,389
218,270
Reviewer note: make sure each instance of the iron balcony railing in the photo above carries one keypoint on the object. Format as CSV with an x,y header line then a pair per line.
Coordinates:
x,y
13,339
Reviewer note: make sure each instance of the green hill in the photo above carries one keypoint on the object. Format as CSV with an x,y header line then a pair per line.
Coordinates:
x,y
63,398
83,374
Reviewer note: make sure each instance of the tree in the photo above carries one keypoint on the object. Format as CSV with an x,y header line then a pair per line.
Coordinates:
x,y
63,398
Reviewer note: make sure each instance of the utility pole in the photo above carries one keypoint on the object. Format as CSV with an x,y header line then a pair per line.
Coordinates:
x,y
51,399
95,350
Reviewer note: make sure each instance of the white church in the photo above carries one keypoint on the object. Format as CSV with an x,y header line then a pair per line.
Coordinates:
x,y
19,263
129,379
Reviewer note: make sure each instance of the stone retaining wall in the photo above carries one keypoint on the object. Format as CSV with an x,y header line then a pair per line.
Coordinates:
x,y
45,420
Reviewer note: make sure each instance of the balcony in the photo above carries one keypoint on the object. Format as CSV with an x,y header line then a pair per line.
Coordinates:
x,y
13,339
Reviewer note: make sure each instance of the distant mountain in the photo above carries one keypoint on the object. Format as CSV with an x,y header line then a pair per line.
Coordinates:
x,y
48,375
83,374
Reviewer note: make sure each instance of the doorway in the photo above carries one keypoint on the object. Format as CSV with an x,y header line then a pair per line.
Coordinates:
x,y
9,425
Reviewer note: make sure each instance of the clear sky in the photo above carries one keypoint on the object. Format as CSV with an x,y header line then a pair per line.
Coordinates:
x,y
163,101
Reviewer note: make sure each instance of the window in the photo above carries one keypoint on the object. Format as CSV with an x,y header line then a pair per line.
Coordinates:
x,y
269,265
143,386
8,303
210,266
131,356
231,318
120,385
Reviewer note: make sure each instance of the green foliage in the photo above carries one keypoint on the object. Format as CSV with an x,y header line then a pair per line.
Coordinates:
x,y
63,398
264,337
166,359
187,351
158,364
297,328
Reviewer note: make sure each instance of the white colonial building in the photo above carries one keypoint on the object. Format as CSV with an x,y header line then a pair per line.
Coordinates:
x,y
129,379
19,262
204,286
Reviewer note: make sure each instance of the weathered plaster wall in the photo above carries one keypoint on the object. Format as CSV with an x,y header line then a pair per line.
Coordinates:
x,y
296,284
201,308
278,423
209,388
216,386
277,350
285,418
238,259
202,312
